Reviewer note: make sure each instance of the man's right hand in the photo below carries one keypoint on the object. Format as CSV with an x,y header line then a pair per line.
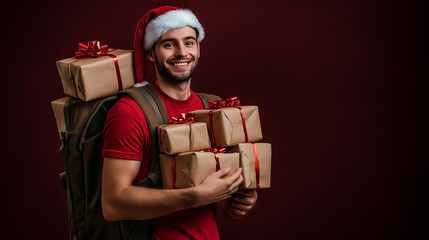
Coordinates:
x,y
218,186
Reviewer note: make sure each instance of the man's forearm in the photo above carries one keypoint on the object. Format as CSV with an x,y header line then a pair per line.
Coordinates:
x,y
123,201
138,203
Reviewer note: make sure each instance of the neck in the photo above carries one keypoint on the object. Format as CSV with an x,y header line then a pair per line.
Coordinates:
x,y
178,91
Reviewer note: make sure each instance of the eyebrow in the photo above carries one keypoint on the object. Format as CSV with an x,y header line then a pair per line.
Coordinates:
x,y
174,39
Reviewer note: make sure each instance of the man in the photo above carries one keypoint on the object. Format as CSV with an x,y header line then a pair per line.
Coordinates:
x,y
170,38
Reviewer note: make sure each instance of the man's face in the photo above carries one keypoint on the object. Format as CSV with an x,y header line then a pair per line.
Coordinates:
x,y
176,54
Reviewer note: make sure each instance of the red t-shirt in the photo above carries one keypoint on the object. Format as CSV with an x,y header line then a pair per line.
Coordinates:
x,y
127,136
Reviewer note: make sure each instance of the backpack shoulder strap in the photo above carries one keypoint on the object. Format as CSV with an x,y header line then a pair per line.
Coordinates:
x,y
156,114
151,103
159,103
205,97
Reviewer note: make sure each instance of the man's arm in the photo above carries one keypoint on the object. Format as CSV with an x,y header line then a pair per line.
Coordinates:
x,y
240,204
123,201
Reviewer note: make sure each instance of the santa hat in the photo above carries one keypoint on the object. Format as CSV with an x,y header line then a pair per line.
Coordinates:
x,y
156,23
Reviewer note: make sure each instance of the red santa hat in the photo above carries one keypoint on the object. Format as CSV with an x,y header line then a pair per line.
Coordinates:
x,y
156,23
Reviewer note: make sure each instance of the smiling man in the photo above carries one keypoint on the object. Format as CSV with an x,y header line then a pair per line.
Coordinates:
x,y
170,38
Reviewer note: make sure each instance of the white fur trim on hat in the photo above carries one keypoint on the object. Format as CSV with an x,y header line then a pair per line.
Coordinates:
x,y
142,84
169,21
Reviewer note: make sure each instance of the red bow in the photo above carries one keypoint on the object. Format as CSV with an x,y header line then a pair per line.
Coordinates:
x,y
230,102
93,49
184,118
215,150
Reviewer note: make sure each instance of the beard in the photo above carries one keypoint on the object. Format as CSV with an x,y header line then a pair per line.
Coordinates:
x,y
175,78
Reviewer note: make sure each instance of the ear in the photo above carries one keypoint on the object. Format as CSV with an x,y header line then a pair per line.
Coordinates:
x,y
198,44
150,55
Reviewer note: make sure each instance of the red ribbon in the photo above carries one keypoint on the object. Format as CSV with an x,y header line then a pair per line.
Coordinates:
x,y
211,129
246,138
184,118
230,102
173,171
256,165
94,50
215,151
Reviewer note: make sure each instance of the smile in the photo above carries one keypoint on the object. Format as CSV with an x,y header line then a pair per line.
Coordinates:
x,y
180,64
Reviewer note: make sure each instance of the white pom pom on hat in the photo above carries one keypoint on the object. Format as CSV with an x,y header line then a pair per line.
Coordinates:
x,y
156,23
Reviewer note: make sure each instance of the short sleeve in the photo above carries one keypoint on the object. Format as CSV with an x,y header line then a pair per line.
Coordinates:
x,y
126,134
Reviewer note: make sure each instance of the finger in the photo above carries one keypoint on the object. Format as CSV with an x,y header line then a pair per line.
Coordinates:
x,y
245,196
248,201
240,199
238,212
224,196
240,206
236,175
234,190
234,186
247,192
222,172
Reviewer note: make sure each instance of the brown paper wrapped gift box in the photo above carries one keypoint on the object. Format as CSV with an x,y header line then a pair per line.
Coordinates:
x,y
247,163
178,138
96,77
193,167
228,124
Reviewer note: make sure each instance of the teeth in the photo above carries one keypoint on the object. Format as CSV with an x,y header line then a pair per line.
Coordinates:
x,y
180,64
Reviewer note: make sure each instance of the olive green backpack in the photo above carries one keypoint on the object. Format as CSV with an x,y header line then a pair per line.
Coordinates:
x,y
82,142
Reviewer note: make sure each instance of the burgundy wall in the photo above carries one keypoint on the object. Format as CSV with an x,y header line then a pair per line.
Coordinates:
x,y
340,90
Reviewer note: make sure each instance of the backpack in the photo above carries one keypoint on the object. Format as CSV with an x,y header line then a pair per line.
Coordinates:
x,y
82,142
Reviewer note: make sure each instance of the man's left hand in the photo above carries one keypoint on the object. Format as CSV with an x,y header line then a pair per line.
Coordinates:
x,y
240,203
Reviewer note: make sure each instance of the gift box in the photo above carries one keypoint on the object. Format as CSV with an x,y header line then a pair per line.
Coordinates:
x,y
89,78
58,107
190,169
178,138
232,125
255,160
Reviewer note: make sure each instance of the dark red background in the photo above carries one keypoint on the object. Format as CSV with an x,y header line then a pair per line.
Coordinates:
x,y
341,95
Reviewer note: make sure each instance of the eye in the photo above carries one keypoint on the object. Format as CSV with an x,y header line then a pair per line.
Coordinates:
x,y
190,43
168,45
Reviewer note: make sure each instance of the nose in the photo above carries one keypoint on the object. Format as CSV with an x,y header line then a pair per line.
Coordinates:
x,y
180,51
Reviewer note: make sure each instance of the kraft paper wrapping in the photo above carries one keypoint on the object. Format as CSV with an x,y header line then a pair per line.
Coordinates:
x,y
178,138
228,124
247,163
193,167
58,107
96,77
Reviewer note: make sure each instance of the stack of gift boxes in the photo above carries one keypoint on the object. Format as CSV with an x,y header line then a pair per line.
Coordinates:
x,y
194,146
203,141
